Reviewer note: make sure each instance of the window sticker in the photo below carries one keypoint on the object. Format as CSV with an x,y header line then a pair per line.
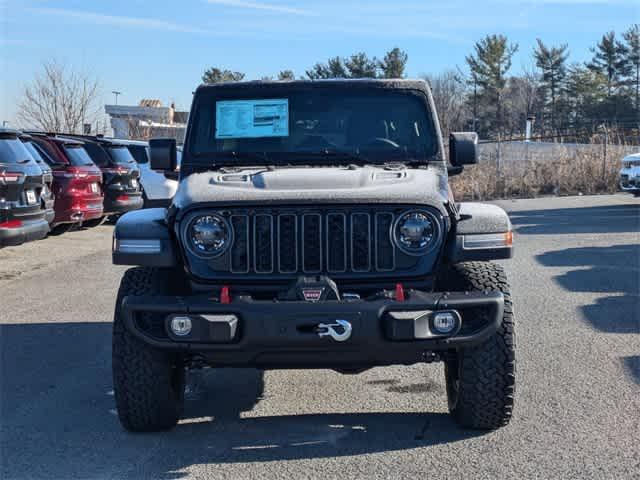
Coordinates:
x,y
252,118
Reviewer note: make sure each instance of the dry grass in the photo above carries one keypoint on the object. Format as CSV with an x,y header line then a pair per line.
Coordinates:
x,y
562,171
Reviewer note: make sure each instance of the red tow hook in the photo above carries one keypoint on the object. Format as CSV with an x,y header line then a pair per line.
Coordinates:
x,y
399,293
225,296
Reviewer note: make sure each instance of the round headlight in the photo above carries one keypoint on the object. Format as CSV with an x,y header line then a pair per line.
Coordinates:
x,y
209,235
415,232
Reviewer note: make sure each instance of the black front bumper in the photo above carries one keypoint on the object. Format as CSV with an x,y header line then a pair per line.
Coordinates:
x,y
274,334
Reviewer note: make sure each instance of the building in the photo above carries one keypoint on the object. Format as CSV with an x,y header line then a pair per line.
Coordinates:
x,y
146,120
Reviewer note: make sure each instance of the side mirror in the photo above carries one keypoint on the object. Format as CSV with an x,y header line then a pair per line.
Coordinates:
x,y
463,149
162,154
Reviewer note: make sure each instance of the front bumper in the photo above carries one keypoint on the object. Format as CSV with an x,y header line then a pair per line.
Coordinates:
x,y
630,180
272,334
27,232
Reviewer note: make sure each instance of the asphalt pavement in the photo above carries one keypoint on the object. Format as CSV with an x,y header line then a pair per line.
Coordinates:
x,y
575,280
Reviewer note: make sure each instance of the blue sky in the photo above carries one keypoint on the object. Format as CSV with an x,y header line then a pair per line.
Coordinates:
x,y
159,49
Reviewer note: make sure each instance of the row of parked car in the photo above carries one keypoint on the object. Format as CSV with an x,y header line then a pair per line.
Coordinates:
x,y
52,182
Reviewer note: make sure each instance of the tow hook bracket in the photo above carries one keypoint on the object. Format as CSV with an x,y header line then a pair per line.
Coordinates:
x,y
339,331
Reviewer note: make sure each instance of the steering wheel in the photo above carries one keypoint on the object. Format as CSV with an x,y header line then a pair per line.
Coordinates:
x,y
383,142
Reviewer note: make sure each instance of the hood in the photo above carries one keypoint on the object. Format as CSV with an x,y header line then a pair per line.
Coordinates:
x,y
369,184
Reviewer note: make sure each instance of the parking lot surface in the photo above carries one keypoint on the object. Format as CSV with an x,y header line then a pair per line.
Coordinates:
x,y
575,280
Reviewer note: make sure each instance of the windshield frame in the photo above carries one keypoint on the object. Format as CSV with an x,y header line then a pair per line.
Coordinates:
x,y
205,97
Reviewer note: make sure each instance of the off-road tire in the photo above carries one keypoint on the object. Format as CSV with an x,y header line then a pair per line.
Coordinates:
x,y
148,383
481,379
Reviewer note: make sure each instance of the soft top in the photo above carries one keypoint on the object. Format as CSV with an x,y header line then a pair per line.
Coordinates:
x,y
261,85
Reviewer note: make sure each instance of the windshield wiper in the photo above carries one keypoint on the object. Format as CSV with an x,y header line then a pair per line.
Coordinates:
x,y
245,155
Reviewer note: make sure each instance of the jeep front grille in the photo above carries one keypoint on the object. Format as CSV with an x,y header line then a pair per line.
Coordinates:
x,y
312,242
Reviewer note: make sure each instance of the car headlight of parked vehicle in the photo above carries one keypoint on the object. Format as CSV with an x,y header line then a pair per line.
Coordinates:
x,y
416,232
208,235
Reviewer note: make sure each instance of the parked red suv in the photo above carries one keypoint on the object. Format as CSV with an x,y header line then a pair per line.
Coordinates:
x,y
120,173
77,182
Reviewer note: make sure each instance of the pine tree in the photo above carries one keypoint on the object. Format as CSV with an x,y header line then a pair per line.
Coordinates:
x,y
393,64
286,75
215,75
631,53
334,68
552,63
489,66
608,59
359,65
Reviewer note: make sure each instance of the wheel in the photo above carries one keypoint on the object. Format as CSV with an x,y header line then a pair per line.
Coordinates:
x,y
148,383
481,379
63,228
96,222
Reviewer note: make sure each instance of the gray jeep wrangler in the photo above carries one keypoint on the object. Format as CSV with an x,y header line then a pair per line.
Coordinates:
x,y
313,227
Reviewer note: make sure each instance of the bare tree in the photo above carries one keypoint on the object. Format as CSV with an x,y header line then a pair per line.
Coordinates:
x,y
449,96
59,99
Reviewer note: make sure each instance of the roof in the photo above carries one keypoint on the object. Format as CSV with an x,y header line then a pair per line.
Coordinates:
x,y
150,102
52,136
93,139
9,131
395,83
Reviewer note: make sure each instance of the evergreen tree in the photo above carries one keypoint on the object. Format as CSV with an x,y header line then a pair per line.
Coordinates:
x,y
359,65
286,75
215,75
586,95
552,64
334,68
608,59
631,53
489,65
393,64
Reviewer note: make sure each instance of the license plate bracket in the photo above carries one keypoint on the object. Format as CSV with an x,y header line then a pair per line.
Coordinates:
x,y
31,197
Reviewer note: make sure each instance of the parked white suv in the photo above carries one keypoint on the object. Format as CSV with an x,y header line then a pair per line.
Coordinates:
x,y
630,174
158,188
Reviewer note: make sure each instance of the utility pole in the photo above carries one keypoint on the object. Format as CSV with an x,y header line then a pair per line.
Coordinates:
x,y
604,156
116,93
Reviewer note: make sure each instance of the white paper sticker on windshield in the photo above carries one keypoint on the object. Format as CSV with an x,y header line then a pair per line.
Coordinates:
x,y
252,118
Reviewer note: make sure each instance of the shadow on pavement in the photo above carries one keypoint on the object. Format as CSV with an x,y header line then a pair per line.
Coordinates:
x,y
563,221
632,366
614,269
59,421
611,270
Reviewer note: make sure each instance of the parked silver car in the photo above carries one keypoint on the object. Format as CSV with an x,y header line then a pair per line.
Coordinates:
x,y
630,174
158,187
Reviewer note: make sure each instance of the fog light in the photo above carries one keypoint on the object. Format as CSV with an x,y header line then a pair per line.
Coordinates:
x,y
181,326
445,322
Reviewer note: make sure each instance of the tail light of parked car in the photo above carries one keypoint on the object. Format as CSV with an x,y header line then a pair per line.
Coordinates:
x,y
10,177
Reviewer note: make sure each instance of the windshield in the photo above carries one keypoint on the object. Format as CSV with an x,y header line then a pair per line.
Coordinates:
x,y
34,152
13,150
139,153
371,126
77,156
120,155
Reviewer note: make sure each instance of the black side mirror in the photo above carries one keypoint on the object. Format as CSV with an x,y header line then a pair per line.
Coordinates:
x,y
463,149
162,154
